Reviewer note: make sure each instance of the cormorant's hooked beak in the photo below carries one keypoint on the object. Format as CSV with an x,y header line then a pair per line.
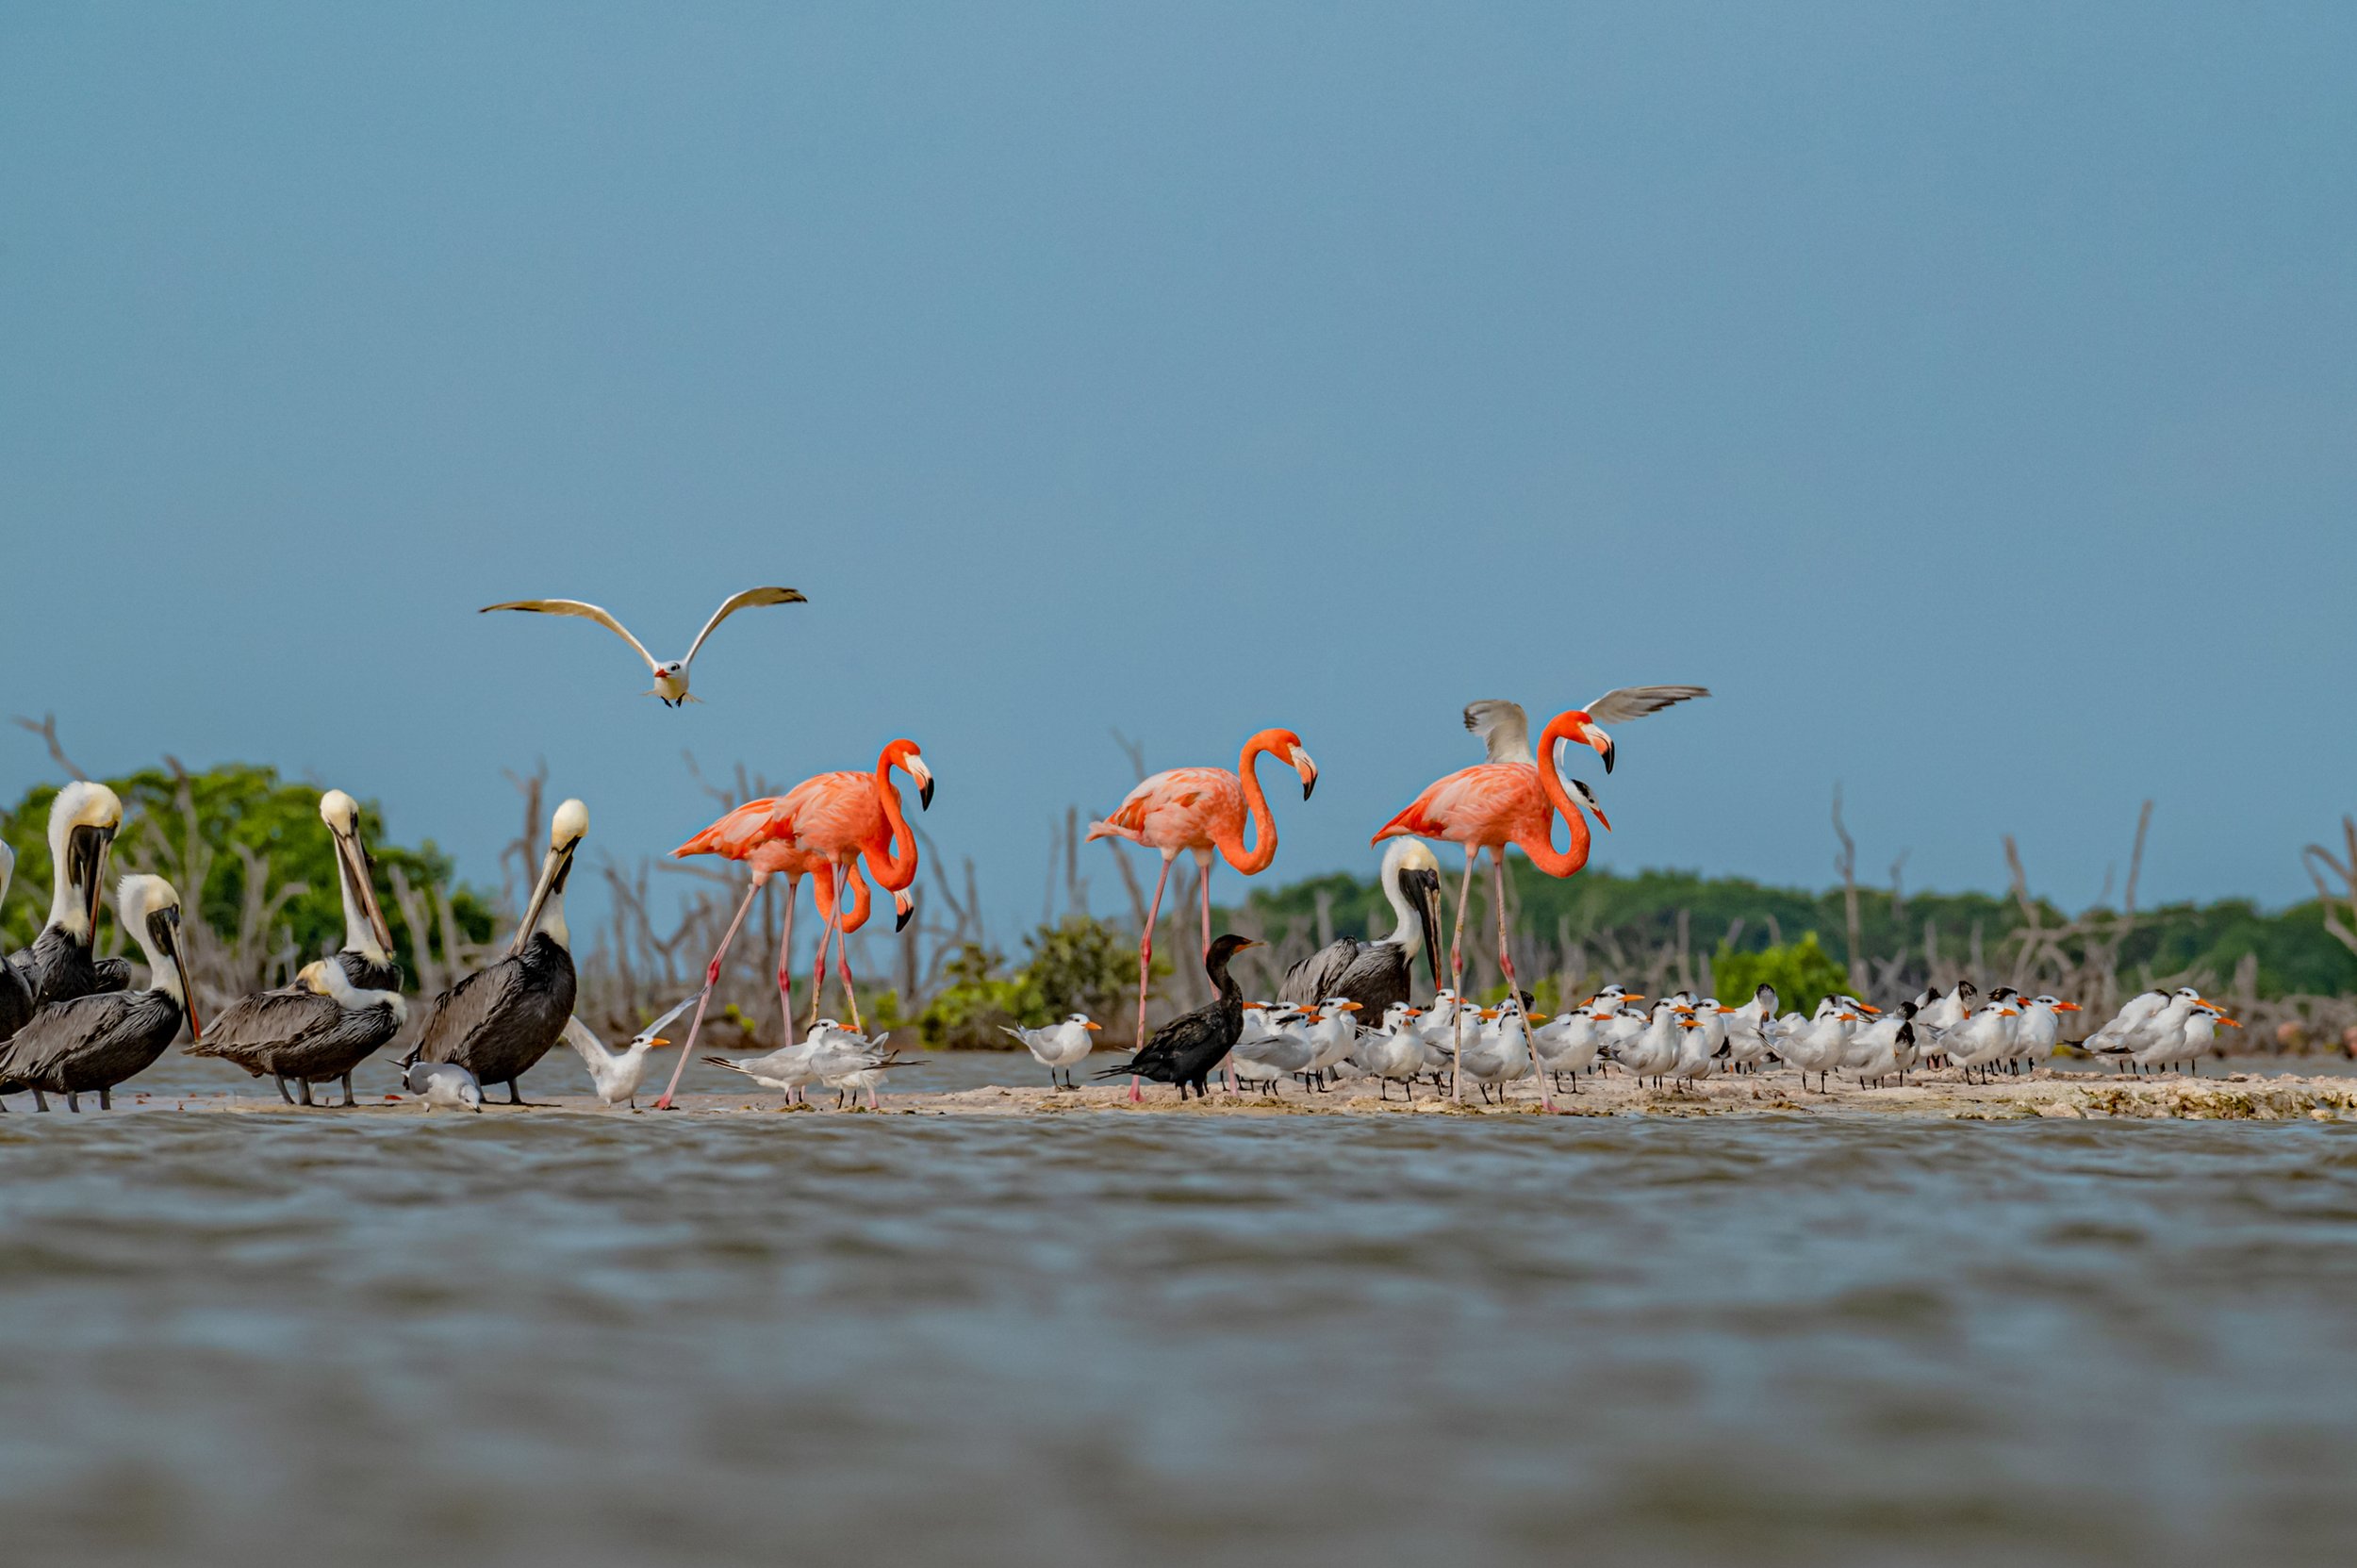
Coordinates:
x,y
1307,769
554,868
352,856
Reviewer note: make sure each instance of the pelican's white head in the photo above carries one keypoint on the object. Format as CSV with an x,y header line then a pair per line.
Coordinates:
x,y
365,930
1412,881
546,912
149,909
82,823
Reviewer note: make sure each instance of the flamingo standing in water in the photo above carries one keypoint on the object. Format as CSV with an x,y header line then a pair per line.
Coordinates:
x,y
829,823
1200,810
1504,800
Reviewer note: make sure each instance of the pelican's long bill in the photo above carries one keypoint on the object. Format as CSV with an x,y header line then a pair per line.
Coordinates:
x,y
1423,888
554,866
352,857
86,862
163,929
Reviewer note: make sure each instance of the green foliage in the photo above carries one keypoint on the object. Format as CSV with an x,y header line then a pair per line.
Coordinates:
x,y
1803,973
232,806
2295,952
1078,965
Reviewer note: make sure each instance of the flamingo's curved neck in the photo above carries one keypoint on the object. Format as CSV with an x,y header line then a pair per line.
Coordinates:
x,y
855,916
894,862
1542,851
1264,851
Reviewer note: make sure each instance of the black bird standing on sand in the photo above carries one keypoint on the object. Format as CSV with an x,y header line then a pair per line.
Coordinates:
x,y
1186,1049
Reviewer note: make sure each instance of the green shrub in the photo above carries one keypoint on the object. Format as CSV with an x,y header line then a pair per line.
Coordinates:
x,y
1803,973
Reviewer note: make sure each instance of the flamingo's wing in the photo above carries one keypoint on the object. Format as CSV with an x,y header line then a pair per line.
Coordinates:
x,y
737,602
1503,727
587,611
1625,702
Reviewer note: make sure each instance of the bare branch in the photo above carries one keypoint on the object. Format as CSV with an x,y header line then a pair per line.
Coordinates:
x,y
47,730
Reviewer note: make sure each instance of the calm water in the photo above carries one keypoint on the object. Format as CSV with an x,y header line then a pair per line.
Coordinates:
x,y
541,1337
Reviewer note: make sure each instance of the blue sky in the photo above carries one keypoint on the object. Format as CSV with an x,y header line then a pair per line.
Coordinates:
x,y
1966,393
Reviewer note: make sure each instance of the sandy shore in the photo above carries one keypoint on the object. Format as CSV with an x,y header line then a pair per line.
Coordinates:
x,y
1941,1095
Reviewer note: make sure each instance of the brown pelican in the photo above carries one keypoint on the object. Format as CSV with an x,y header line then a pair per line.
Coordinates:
x,y
59,964
670,675
317,1030
95,1041
498,1022
16,992
1377,974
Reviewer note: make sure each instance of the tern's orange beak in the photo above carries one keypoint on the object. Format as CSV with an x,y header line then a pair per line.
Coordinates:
x,y
2066,1007
1092,1028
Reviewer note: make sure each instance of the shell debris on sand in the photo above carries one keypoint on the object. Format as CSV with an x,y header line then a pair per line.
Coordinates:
x,y
2045,1094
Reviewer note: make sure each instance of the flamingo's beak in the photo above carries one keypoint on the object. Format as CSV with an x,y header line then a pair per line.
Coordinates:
x,y
1602,742
1307,769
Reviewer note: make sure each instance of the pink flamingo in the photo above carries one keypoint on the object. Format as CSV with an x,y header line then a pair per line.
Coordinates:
x,y
1509,800
743,835
1200,810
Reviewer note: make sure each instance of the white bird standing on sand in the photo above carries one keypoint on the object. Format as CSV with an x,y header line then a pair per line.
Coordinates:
x,y
1568,1042
827,1053
670,675
1279,1049
1746,1046
1883,1047
1333,1031
1394,1052
867,1076
2041,1027
1815,1045
616,1074
1500,1053
1984,1038
443,1085
2151,1013
1059,1048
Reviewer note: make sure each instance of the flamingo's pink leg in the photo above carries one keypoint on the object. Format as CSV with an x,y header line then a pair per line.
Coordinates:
x,y
842,955
1506,962
1145,960
1457,981
785,945
1203,875
712,975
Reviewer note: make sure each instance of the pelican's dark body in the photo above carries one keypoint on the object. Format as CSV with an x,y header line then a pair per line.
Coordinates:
x,y
16,1001
60,967
1186,1049
71,1048
1373,974
498,1022
294,1033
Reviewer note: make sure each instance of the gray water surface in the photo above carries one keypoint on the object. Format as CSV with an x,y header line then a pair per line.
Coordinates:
x,y
1093,1338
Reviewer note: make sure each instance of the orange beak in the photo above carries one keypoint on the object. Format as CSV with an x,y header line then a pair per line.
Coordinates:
x,y
1868,1007
2230,1023
2066,1007
1092,1028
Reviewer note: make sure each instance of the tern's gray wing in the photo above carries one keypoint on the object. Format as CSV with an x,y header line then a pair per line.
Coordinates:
x,y
1503,727
737,602
1628,702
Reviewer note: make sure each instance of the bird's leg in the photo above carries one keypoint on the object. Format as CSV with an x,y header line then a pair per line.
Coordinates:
x,y
41,1102
1203,881
74,1101
711,976
516,1093
1145,962
1506,965
1457,982
106,1101
348,1099
302,1090
785,971
282,1088
843,953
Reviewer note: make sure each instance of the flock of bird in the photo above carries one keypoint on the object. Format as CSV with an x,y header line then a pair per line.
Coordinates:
x,y
71,1023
